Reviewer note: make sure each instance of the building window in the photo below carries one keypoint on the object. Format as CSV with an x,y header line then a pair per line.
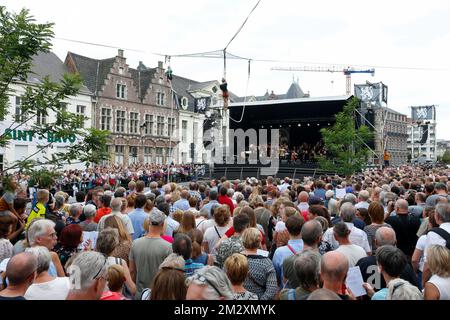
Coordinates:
x,y
195,133
224,135
1,162
160,126
160,97
41,119
119,154
149,124
20,114
60,114
148,155
159,156
120,121
134,122
184,131
183,157
120,91
171,126
133,155
105,122
81,113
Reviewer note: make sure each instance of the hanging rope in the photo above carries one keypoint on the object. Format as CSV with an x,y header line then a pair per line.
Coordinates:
x,y
245,97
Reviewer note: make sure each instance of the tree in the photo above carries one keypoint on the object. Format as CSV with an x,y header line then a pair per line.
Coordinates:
x,y
446,157
21,38
345,144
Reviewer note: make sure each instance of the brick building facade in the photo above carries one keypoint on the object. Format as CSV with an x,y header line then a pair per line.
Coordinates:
x,y
135,105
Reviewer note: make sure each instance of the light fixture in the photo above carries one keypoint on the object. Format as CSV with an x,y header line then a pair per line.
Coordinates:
x,y
289,126
299,125
308,124
280,125
318,125
271,126
328,123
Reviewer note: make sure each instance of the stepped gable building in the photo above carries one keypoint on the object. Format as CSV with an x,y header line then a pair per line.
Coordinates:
x,y
135,105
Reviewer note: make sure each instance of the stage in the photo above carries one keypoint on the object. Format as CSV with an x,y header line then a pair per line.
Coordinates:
x,y
299,122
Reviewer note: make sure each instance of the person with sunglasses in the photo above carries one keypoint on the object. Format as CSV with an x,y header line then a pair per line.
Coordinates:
x,y
88,276
209,283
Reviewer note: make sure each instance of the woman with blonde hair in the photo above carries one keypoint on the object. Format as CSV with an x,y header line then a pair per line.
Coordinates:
x,y
213,234
438,286
187,222
178,215
236,267
116,281
130,203
122,250
261,278
149,206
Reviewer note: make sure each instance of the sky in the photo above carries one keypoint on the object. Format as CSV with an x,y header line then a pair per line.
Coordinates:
x,y
391,36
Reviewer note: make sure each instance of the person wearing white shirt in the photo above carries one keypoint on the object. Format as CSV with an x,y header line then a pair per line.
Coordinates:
x,y
363,197
46,287
438,287
283,187
303,198
353,252
442,217
357,236
214,233
117,206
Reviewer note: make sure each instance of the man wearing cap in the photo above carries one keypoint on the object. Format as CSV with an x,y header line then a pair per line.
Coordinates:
x,y
148,252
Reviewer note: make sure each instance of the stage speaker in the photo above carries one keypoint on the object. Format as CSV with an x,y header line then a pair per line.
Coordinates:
x,y
370,119
424,138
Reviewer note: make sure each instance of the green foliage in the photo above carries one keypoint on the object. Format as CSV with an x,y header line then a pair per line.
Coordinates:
x,y
42,178
446,157
21,38
345,142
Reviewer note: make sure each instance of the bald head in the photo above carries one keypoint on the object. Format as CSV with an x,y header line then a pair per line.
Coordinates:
x,y
333,267
21,268
116,204
385,236
303,196
312,233
401,206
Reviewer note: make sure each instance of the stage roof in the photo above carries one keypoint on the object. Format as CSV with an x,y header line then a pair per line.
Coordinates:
x,y
286,111
289,101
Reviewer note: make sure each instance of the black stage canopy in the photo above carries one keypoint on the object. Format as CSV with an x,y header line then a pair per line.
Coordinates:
x,y
286,112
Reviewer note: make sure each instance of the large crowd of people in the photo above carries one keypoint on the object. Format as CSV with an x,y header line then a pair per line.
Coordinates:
x,y
253,239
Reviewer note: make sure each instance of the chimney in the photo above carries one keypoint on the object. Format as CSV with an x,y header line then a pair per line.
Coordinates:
x,y
120,53
160,64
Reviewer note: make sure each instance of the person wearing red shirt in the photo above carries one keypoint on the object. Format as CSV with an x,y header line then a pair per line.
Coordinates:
x,y
104,207
224,199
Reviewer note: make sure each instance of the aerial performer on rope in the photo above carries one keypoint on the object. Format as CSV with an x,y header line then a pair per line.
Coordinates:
x,y
225,93
169,73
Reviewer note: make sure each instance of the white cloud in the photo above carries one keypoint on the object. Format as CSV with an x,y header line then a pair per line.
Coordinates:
x,y
381,33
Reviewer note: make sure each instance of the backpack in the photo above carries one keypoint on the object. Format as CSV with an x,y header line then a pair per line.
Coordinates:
x,y
444,234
